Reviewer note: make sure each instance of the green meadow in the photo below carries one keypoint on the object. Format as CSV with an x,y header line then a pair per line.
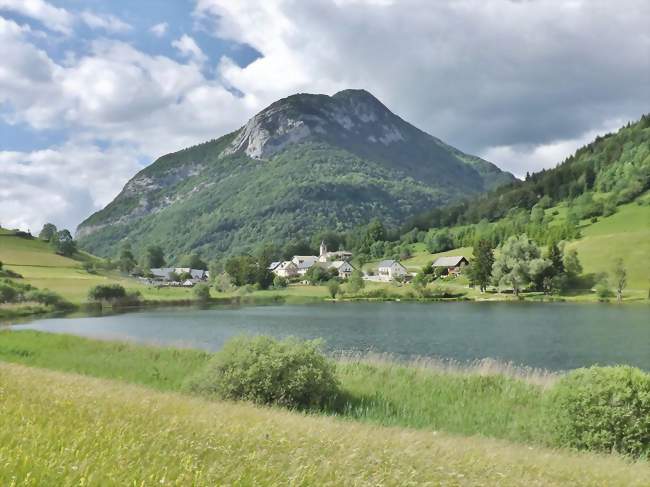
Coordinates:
x,y
63,429
122,417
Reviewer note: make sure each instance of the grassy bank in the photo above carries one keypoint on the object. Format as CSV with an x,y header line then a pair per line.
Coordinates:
x,y
64,429
474,401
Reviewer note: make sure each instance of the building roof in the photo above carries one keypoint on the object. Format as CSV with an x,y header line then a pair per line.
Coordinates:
x,y
450,261
337,264
273,265
304,261
285,265
389,263
162,272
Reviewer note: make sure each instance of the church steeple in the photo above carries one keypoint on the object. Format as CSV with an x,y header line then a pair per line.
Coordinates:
x,y
323,252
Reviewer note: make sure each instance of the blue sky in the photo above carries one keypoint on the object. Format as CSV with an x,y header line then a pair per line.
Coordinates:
x,y
91,91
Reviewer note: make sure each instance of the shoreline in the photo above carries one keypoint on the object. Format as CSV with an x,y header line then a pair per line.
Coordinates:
x,y
33,312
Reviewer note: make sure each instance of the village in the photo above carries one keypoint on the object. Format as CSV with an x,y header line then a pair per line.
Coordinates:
x,y
339,263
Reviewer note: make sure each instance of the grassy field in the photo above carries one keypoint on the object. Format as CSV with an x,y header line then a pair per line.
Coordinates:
x,y
42,268
66,429
625,234
473,401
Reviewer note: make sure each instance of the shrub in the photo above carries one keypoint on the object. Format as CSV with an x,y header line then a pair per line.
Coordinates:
x,y
333,287
201,292
280,282
264,370
47,298
107,292
603,409
7,294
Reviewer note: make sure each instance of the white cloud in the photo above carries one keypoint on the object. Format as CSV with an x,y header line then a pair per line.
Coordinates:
x,y
107,22
475,73
522,158
61,185
54,18
160,29
190,49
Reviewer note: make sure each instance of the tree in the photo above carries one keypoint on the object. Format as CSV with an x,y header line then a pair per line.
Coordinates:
x,y
375,232
107,292
280,282
620,279
246,269
554,254
126,261
316,274
572,265
333,287
512,266
48,231
537,215
480,271
63,244
201,292
355,283
194,261
155,257
222,282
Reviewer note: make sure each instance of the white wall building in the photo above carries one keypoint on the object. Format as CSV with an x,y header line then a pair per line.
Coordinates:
x,y
389,270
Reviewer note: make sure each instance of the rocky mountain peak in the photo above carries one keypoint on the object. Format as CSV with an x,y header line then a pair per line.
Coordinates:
x,y
346,114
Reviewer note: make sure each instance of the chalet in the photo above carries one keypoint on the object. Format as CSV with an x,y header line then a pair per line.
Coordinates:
x,y
303,263
344,268
452,265
389,270
274,265
163,274
286,269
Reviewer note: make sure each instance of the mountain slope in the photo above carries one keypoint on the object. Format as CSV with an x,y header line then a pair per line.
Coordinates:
x,y
305,163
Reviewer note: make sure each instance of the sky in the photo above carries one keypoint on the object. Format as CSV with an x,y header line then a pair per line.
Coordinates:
x,y
92,91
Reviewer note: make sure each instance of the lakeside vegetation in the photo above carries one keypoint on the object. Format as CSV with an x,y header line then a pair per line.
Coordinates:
x,y
482,399
112,433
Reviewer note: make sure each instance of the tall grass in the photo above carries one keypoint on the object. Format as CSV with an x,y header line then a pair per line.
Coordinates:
x,y
426,394
61,429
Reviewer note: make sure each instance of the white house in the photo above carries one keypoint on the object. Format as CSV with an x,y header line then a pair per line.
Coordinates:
x,y
303,263
285,269
344,268
389,270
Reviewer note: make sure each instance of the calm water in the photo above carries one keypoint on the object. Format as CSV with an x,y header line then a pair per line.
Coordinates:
x,y
552,336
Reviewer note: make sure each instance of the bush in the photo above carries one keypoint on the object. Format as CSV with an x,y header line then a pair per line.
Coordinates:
x,y
201,292
47,298
603,409
7,294
333,287
280,282
290,373
107,292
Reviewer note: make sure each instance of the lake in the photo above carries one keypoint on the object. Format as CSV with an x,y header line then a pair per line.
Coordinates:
x,y
554,336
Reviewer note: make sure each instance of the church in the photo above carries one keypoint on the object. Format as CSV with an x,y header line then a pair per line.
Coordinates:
x,y
326,256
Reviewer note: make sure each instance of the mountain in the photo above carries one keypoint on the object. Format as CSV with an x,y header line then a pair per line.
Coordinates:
x,y
305,163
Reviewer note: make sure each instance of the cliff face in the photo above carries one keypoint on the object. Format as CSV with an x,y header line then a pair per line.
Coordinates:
x,y
305,163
